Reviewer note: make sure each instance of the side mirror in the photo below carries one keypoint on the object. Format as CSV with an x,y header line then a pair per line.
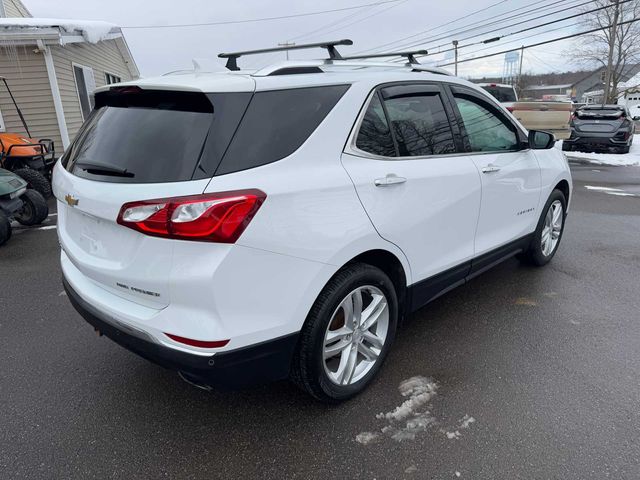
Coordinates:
x,y
539,140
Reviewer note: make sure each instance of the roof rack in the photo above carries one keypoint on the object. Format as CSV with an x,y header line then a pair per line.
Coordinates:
x,y
232,58
409,55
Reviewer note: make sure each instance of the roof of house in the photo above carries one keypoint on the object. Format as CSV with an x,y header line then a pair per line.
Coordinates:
x,y
91,31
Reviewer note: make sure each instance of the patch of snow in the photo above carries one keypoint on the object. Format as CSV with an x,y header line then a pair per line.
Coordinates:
x,y
466,421
419,390
367,437
413,415
621,194
93,31
411,469
614,159
601,189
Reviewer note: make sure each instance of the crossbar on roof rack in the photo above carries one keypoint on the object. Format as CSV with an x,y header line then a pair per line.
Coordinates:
x,y
409,55
232,58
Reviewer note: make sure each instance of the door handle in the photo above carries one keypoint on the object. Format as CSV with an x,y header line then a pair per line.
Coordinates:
x,y
390,179
490,168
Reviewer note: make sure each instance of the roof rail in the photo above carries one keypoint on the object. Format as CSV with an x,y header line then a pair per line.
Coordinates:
x,y
409,55
232,58
295,66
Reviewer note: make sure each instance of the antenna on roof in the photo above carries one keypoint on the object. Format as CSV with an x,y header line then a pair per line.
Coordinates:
x,y
232,58
409,55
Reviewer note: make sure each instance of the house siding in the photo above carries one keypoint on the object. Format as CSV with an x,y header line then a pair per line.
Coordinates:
x,y
15,8
103,57
26,75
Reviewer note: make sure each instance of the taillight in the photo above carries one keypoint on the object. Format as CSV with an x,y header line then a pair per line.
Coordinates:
x,y
210,217
510,109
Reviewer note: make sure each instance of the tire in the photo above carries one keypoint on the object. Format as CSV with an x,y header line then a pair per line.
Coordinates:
x,y
537,254
5,229
35,209
309,369
35,180
566,147
624,149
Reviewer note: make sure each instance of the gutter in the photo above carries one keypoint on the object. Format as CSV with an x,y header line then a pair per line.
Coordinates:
x,y
55,91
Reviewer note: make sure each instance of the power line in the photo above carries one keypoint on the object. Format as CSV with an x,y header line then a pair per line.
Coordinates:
x,y
467,27
497,22
434,28
546,42
264,19
533,27
337,28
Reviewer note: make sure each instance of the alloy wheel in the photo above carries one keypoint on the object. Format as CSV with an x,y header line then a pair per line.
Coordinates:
x,y
356,335
552,228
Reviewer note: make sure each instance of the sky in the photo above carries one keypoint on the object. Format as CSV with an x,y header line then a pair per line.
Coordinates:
x,y
160,50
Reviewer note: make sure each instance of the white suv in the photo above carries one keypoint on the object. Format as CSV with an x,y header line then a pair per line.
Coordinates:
x,y
248,226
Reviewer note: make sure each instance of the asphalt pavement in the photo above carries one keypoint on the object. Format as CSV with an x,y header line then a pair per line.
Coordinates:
x,y
525,372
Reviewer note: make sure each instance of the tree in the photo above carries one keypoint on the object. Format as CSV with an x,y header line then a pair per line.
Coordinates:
x,y
594,48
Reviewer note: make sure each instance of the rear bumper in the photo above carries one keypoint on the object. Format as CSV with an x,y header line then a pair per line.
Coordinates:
x,y
596,141
264,362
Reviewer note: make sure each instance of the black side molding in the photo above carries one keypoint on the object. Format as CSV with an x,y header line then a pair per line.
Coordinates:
x,y
425,291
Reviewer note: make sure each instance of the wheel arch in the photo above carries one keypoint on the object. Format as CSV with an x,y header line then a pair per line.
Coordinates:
x,y
391,265
564,187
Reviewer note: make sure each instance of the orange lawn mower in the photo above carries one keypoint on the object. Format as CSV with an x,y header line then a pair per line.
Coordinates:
x,y
31,159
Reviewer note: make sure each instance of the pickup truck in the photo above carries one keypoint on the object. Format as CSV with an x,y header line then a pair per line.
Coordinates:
x,y
552,117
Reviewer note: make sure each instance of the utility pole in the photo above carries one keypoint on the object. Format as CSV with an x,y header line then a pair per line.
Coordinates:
x,y
612,42
455,48
287,44
519,81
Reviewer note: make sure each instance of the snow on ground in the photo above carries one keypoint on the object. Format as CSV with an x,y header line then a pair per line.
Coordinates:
x,y
93,31
413,415
613,159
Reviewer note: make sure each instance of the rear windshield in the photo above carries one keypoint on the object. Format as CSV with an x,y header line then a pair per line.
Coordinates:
x,y
502,94
142,136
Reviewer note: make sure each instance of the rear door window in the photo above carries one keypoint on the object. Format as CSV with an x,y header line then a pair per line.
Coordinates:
x,y
374,135
276,124
418,120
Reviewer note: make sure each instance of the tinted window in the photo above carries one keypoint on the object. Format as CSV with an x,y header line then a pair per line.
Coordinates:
x,y
147,136
420,125
486,131
374,135
276,124
141,137
502,94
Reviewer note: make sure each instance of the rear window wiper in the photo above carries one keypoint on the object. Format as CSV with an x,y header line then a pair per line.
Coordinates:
x,y
103,169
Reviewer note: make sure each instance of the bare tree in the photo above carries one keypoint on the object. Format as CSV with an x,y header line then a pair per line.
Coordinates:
x,y
594,48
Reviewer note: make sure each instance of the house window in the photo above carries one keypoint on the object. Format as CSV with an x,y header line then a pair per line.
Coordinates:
x,y
111,78
85,85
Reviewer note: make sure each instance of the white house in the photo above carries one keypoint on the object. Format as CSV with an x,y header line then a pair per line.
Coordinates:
x,y
52,66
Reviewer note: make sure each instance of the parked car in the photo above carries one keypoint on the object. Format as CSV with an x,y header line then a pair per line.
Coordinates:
x,y
20,203
601,128
251,226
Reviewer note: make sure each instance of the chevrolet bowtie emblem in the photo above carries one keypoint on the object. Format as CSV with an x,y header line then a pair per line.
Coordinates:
x,y
71,200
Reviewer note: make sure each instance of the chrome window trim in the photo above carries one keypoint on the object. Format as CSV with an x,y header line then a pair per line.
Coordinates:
x,y
352,149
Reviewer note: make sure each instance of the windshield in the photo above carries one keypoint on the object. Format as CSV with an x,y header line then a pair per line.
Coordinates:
x,y
502,94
